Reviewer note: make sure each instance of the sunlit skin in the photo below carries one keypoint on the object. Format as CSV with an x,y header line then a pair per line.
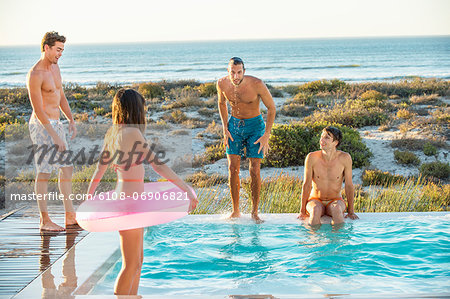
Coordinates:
x,y
244,93
325,171
130,182
47,98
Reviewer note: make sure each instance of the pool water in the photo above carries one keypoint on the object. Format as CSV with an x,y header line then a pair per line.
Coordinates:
x,y
376,254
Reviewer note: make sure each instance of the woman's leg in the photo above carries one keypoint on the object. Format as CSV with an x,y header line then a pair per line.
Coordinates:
x,y
131,245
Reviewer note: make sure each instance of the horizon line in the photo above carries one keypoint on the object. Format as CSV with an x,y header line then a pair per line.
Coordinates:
x,y
242,39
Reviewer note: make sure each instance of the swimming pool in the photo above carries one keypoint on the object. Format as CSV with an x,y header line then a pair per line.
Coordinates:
x,y
382,253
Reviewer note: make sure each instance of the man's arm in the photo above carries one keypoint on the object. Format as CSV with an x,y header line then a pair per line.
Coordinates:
x,y
349,189
65,108
223,110
307,185
34,85
267,99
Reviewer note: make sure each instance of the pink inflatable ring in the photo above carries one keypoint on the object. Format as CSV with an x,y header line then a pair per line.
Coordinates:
x,y
161,202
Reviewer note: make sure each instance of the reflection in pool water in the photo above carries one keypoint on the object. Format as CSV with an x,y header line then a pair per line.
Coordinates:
x,y
207,255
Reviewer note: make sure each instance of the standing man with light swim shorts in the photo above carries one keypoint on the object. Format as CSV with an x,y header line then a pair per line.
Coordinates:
x,y
47,98
325,170
244,132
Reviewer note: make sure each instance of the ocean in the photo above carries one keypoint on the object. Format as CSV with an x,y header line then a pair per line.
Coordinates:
x,y
277,62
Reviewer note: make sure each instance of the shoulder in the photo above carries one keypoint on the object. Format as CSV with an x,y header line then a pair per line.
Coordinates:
x,y
254,81
222,81
35,74
132,134
313,156
345,157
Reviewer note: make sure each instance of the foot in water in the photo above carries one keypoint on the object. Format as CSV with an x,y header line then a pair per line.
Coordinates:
x,y
235,214
256,218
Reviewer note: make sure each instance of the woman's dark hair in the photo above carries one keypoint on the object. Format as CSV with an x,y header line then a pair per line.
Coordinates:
x,y
128,108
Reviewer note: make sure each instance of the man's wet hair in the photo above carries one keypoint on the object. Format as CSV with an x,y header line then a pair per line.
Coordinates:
x,y
237,61
50,38
335,132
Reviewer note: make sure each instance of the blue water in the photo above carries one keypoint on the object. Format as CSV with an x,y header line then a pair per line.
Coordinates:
x,y
208,255
274,61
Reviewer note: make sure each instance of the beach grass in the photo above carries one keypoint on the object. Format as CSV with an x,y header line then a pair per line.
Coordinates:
x,y
280,193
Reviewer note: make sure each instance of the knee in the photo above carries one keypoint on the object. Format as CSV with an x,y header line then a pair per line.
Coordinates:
x,y
233,169
133,265
254,172
336,209
315,210
42,177
255,169
66,172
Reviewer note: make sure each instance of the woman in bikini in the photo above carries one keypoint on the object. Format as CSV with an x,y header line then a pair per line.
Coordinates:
x,y
123,138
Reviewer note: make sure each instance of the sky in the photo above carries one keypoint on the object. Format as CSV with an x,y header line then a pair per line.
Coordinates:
x,y
24,22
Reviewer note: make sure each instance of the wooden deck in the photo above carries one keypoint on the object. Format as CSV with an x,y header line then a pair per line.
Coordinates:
x,y
25,252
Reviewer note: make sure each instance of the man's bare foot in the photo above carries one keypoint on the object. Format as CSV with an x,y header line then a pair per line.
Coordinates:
x,y
235,215
70,219
256,218
51,226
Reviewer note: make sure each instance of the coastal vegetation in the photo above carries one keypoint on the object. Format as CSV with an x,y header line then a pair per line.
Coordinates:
x,y
280,193
416,107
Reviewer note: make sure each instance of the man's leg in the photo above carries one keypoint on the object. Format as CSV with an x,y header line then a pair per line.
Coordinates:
x,y
41,188
65,187
255,183
315,209
336,211
234,162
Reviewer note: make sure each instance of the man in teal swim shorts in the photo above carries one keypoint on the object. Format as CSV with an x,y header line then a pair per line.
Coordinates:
x,y
245,133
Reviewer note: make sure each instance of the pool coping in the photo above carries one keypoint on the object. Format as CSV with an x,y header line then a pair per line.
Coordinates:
x,y
92,265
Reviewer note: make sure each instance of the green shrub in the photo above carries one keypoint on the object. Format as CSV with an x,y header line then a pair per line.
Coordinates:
x,y
289,144
415,144
424,99
100,111
405,88
304,98
291,89
381,178
275,92
404,113
214,153
352,113
178,116
429,149
179,84
406,157
201,179
151,90
16,96
436,169
441,116
78,96
331,86
373,97
207,90
295,109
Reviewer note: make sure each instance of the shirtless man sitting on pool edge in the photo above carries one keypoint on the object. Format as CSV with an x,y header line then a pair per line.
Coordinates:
x,y
325,170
